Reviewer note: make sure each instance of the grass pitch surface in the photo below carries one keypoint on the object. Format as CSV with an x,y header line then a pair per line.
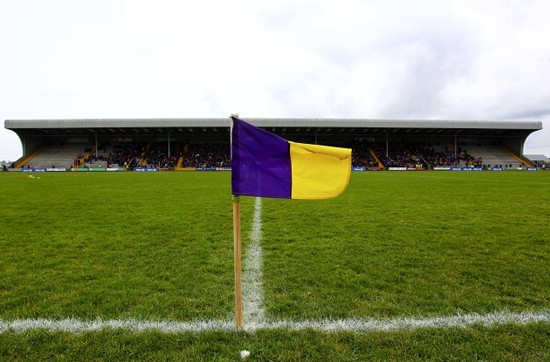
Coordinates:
x,y
116,246
159,247
411,244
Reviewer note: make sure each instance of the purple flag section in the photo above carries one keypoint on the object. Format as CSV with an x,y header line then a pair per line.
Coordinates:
x,y
260,162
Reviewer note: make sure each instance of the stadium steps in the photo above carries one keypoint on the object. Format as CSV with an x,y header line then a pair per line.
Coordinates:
x,y
518,157
143,161
102,158
83,159
25,159
180,162
373,154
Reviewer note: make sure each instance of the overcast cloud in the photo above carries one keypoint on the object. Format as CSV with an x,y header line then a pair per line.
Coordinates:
x,y
432,59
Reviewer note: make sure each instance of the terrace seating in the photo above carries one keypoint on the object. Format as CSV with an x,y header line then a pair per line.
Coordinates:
x,y
61,156
365,154
494,155
422,153
205,156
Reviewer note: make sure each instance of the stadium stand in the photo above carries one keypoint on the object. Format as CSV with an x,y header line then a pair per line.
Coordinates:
x,y
63,155
493,155
177,144
365,155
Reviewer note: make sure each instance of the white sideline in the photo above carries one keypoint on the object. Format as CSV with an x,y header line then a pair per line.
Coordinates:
x,y
323,325
397,324
253,294
79,326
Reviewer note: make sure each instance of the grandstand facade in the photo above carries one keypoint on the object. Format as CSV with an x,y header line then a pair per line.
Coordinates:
x,y
203,143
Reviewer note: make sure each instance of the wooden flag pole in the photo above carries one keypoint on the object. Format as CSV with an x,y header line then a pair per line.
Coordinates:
x,y
237,262
237,248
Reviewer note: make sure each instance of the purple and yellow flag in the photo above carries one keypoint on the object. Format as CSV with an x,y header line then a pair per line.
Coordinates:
x,y
264,164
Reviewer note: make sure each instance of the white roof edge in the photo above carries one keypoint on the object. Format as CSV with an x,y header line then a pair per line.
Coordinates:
x,y
270,122
537,157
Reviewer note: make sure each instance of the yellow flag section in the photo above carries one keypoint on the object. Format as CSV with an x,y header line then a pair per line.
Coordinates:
x,y
319,172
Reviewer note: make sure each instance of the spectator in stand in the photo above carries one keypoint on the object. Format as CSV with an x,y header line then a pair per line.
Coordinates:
x,y
207,156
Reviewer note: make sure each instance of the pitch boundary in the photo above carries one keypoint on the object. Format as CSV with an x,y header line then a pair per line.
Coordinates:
x,y
322,325
253,294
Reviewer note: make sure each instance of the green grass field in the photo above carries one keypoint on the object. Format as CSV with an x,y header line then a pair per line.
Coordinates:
x,y
158,247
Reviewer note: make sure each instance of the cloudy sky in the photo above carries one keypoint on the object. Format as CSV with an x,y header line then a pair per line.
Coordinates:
x,y
422,59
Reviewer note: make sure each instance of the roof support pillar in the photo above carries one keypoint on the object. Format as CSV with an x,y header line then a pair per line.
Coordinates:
x,y
168,144
387,144
456,144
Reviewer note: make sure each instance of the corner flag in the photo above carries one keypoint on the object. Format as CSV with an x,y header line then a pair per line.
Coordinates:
x,y
266,165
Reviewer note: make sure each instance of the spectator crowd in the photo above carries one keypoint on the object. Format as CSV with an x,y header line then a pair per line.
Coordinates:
x,y
365,154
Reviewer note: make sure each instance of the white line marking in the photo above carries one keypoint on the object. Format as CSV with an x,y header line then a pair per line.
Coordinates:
x,y
373,325
78,326
323,325
253,294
